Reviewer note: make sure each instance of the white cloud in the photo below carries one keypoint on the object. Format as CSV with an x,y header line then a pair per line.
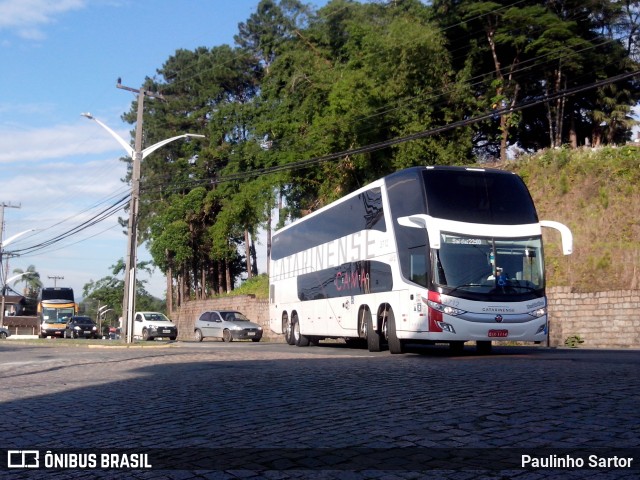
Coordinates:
x,y
37,145
25,17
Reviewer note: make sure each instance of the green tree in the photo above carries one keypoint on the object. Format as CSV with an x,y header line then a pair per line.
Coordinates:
x,y
31,279
353,77
205,92
32,287
109,291
534,49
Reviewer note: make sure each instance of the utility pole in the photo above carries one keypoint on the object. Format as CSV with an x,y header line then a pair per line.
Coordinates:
x,y
129,299
4,271
55,278
137,154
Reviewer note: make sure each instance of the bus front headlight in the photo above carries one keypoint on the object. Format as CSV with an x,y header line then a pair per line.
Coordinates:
x,y
540,312
446,309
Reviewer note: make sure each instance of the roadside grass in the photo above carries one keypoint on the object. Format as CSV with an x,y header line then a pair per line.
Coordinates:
x,y
257,286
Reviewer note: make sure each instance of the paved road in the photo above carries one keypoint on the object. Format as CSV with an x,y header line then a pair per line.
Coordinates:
x,y
198,410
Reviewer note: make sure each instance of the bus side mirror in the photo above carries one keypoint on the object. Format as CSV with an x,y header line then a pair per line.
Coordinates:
x,y
421,220
567,236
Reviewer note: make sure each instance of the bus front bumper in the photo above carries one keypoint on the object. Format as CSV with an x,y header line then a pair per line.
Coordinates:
x,y
532,331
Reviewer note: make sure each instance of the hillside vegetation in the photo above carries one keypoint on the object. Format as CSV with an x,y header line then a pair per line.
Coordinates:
x,y
310,104
596,193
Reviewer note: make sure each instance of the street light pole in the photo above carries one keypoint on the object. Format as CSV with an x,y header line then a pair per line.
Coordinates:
x,y
137,154
129,300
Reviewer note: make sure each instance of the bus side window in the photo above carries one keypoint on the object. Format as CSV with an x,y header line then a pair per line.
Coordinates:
x,y
418,272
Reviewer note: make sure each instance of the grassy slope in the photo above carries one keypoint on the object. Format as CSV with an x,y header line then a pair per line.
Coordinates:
x,y
596,193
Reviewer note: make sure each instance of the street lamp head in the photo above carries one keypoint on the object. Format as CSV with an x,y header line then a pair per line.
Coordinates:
x,y
87,115
13,237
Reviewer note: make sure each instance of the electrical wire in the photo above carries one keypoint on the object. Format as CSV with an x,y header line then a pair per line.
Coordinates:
x,y
99,217
398,140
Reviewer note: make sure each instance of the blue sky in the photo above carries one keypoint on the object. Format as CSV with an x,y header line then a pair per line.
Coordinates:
x,y
60,58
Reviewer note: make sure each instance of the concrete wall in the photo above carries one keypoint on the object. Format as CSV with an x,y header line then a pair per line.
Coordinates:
x,y
601,319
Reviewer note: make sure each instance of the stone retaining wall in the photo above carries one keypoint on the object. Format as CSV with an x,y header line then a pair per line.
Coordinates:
x,y
601,319
256,309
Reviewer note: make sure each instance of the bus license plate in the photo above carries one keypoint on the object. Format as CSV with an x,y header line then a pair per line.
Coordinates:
x,y
498,333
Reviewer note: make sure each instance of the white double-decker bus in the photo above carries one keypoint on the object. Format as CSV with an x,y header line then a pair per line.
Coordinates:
x,y
424,255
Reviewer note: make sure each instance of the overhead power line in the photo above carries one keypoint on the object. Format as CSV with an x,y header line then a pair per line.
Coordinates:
x,y
415,136
100,216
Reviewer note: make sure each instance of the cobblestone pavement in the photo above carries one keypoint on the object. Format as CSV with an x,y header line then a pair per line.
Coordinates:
x,y
245,410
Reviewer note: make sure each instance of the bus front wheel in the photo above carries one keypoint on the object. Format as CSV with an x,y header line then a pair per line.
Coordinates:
x,y
299,339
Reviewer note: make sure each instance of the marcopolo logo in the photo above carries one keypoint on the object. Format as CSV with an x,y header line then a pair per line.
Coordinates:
x,y
23,459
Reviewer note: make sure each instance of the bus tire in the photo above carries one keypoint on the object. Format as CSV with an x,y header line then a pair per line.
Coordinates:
x,y
374,339
363,323
287,329
299,339
395,344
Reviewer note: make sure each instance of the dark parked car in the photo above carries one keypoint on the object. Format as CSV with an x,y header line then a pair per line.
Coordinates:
x,y
226,324
78,327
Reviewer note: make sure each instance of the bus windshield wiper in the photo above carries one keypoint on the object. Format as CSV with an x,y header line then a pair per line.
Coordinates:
x,y
467,285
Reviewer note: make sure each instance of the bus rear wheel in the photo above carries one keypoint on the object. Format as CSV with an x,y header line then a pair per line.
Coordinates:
x,y
395,344
374,339
287,330
299,339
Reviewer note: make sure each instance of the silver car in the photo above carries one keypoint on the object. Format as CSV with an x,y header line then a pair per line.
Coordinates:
x,y
4,332
226,324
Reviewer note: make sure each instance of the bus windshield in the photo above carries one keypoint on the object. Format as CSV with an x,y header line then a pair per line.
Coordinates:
x,y
503,266
57,315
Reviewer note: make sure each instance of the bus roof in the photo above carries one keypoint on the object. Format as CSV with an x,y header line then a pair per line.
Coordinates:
x,y
407,172
57,293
